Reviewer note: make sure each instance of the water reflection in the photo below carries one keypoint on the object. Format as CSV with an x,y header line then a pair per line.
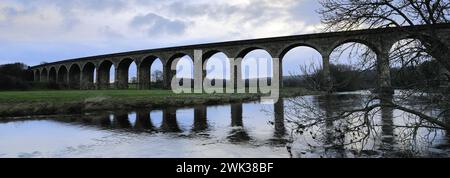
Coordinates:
x,y
280,129
387,124
335,130
334,136
169,121
239,125
121,121
200,119
143,121
236,115
238,132
104,121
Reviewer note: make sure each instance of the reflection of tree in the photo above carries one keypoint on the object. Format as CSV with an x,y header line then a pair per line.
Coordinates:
x,y
341,124
133,80
333,140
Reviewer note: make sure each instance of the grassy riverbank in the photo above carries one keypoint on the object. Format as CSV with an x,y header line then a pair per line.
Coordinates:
x,y
24,103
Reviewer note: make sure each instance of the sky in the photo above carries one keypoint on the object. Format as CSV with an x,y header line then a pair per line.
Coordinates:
x,y
36,31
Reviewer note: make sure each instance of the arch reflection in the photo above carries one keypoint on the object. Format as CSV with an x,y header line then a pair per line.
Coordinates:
x,y
238,132
121,121
200,119
387,124
280,129
143,121
169,121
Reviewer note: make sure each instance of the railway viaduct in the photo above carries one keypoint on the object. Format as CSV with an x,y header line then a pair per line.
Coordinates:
x,y
79,73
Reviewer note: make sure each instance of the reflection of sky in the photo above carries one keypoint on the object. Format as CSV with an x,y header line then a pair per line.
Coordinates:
x,y
40,137
185,118
59,139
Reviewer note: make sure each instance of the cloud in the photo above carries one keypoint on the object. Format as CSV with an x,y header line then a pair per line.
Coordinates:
x,y
156,25
305,11
121,25
111,33
89,5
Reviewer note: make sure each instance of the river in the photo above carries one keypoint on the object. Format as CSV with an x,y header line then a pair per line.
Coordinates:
x,y
243,130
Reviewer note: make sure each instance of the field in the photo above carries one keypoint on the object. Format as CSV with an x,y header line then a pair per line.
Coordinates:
x,y
45,102
74,95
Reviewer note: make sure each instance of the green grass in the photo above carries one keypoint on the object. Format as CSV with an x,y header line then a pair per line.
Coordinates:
x,y
75,95
78,95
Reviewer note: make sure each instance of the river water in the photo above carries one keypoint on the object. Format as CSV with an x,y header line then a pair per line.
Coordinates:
x,y
244,130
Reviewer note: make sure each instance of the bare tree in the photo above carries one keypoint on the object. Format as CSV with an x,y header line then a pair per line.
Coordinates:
x,y
360,120
357,14
133,80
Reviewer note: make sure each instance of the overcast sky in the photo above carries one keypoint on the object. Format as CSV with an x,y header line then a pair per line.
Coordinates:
x,y
33,31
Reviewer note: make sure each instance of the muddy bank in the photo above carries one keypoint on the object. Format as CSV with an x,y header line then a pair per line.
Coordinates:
x,y
108,103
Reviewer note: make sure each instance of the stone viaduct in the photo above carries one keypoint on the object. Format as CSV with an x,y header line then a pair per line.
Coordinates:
x,y
79,73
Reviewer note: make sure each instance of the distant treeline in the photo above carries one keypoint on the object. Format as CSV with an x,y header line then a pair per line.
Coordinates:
x,y
348,78
426,75
15,77
344,78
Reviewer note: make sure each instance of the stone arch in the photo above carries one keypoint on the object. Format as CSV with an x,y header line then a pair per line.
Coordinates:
x,y
408,56
52,75
252,69
144,71
289,47
298,60
243,52
353,59
226,65
88,73
177,56
123,72
44,75
370,45
406,36
103,74
169,73
208,54
63,75
74,76
404,46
